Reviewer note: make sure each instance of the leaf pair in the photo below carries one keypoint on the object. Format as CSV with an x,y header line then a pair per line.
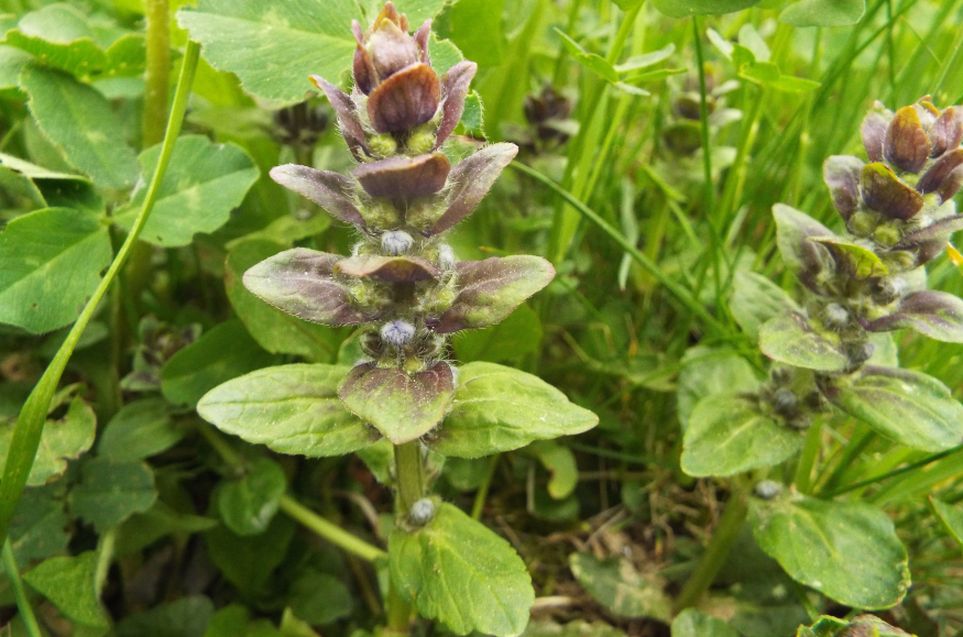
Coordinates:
x,y
321,410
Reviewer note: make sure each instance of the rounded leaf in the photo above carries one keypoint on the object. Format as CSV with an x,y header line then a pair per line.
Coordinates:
x,y
847,551
457,571
729,434
790,339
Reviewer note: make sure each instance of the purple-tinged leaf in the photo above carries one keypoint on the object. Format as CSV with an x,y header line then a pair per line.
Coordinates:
x,y
489,290
947,131
794,233
454,89
362,67
403,406
940,175
387,269
333,192
404,100
421,39
471,180
790,339
391,49
886,193
935,314
299,282
403,177
873,132
841,174
951,185
906,145
347,113
909,407
939,230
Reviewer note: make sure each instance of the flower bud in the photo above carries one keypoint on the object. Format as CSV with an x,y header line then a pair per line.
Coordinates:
x,y
887,235
422,512
835,316
446,257
784,401
863,223
422,139
396,242
382,145
397,333
768,489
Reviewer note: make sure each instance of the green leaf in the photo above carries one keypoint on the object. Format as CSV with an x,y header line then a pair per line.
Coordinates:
x,y
508,342
847,551
475,26
707,372
457,571
33,171
248,504
38,529
401,405
320,598
50,262
620,588
140,429
62,440
184,617
204,183
951,517
823,13
63,37
692,623
143,529
68,582
12,62
688,8
417,11
729,434
273,48
498,408
248,561
80,123
862,262
591,61
909,407
225,352
560,462
292,409
274,330
756,299
791,339
109,492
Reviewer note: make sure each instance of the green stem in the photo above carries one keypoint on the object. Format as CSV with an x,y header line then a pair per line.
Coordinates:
x,y
297,511
410,481
33,415
105,555
410,474
804,468
716,553
157,78
482,494
330,532
19,593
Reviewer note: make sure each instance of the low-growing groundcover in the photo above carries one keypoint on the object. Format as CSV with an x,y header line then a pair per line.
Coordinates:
x,y
477,317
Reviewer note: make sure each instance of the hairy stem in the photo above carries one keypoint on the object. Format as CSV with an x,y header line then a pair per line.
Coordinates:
x,y
33,415
157,78
717,551
410,481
